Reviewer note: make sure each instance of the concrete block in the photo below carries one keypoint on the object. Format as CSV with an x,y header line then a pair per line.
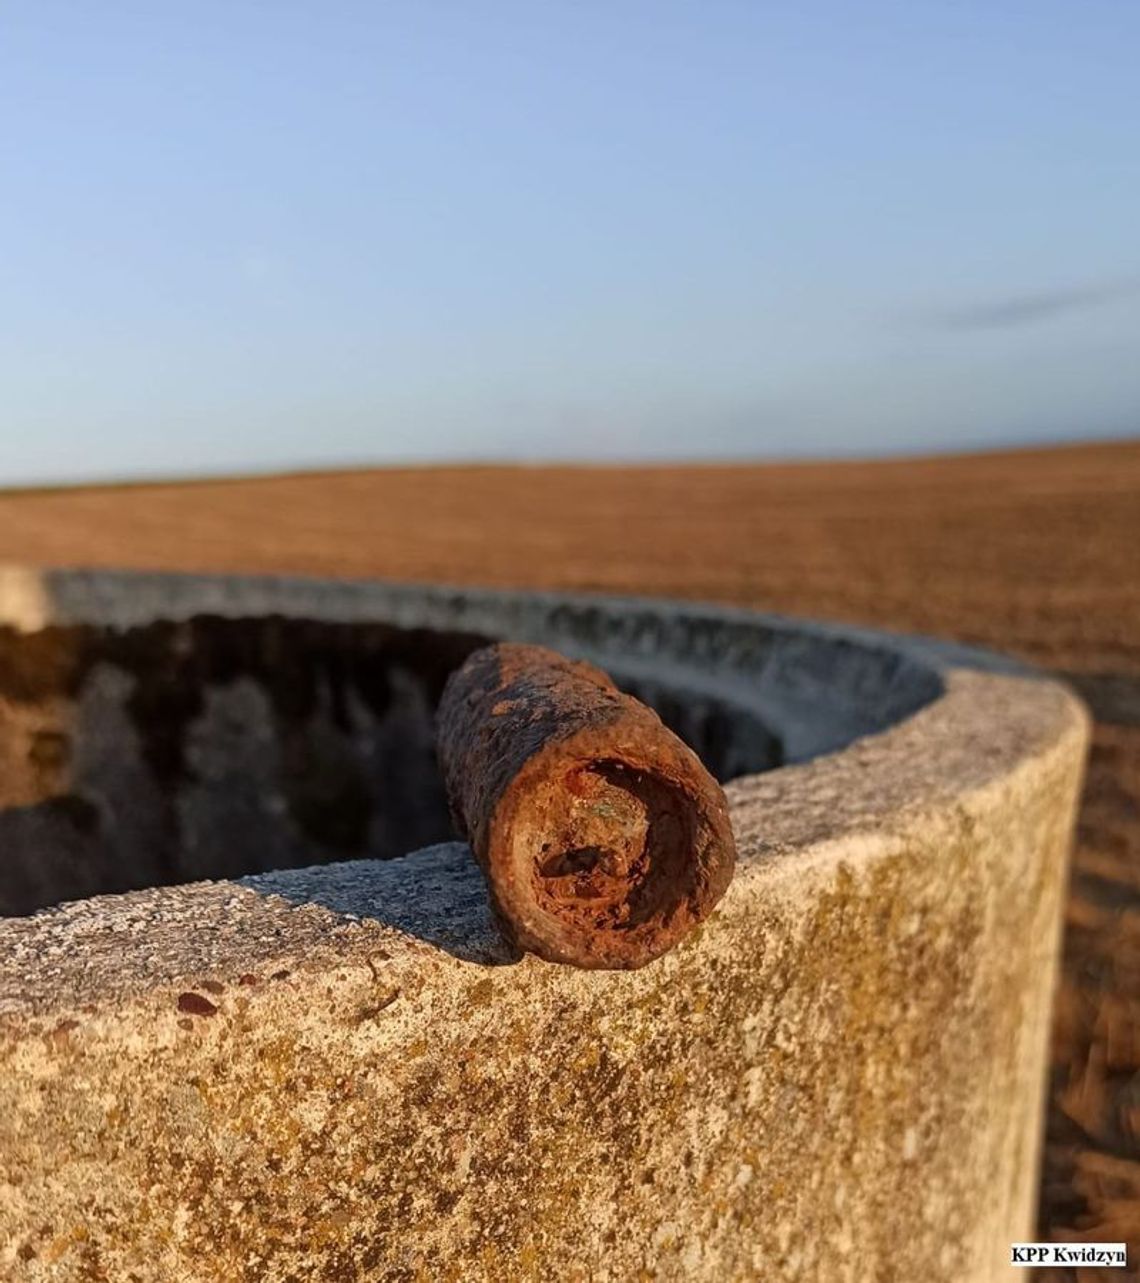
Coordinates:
x,y
341,1072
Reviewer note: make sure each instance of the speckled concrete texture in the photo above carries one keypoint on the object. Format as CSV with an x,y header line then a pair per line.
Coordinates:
x,y
343,1073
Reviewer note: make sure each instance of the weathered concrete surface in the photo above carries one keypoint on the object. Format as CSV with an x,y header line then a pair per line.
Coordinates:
x,y
331,1073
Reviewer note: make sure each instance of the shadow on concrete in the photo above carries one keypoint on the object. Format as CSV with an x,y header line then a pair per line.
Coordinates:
x,y
436,895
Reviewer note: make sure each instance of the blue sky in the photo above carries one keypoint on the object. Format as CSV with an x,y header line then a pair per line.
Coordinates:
x,y
241,236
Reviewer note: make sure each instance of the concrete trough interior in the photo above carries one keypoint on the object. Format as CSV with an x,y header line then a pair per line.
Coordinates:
x,y
214,746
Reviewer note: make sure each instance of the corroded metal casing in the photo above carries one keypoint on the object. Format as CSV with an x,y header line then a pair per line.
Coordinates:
x,y
602,837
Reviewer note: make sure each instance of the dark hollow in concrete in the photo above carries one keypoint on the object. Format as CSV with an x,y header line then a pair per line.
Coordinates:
x,y
223,745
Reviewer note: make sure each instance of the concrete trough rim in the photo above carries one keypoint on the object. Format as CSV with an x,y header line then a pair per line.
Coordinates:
x,y
846,807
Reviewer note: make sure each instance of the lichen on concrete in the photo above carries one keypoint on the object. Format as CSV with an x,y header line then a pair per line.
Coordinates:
x,y
342,1073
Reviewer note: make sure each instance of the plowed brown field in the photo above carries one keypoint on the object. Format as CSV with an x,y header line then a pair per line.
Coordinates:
x,y
1037,553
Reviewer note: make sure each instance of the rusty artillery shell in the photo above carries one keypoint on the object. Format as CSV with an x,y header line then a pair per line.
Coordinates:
x,y
602,837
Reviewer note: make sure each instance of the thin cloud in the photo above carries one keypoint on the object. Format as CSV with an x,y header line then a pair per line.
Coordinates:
x,y
1009,310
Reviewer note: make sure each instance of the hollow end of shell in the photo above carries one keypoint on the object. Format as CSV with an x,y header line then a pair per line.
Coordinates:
x,y
607,864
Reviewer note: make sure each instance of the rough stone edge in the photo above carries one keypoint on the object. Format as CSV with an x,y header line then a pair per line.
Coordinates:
x,y
790,823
